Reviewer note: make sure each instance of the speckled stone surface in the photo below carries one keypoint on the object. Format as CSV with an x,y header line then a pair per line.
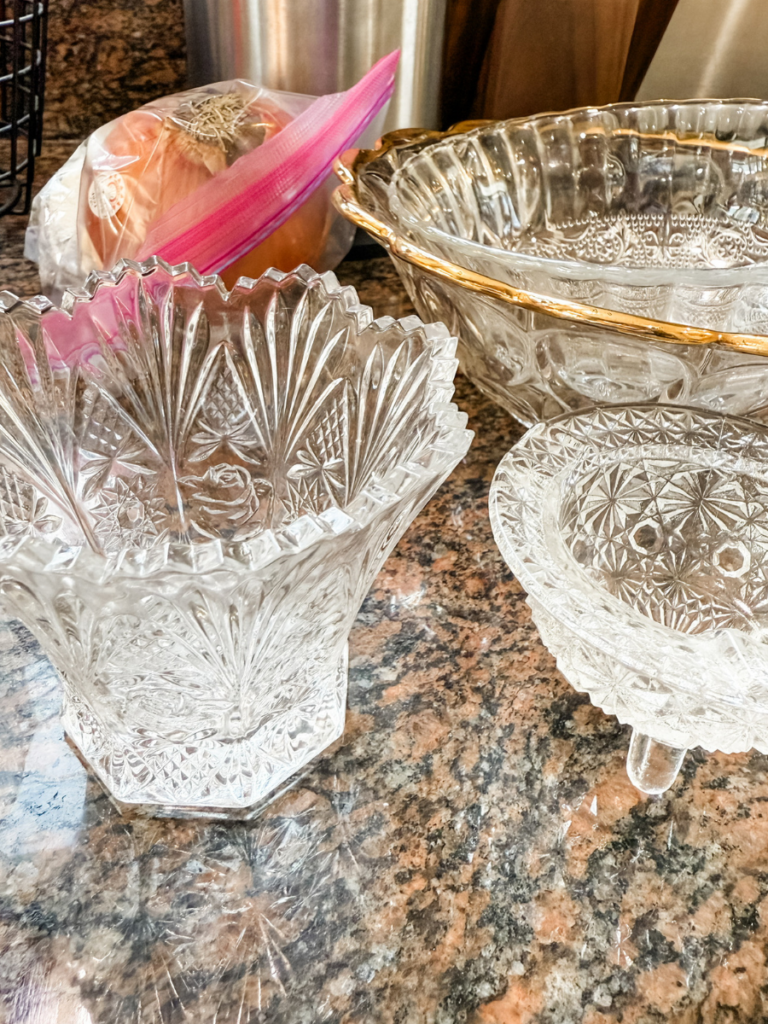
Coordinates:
x,y
471,853
106,57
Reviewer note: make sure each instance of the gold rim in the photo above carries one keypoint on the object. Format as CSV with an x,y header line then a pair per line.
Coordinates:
x,y
346,202
348,164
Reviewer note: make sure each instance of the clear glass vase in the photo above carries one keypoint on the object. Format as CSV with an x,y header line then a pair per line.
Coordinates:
x,y
197,489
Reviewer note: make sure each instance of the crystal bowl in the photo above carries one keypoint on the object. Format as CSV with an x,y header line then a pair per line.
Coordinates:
x,y
566,249
197,488
640,534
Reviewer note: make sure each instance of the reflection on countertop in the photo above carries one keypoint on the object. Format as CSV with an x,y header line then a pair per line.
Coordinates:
x,y
472,851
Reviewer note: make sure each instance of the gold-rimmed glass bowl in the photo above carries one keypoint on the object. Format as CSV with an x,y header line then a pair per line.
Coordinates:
x,y
568,250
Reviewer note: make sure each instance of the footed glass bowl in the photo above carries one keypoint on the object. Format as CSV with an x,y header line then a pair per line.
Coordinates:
x,y
528,237
641,536
197,489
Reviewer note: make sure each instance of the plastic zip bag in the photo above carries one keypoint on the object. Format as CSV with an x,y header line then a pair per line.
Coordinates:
x,y
156,157
232,178
51,239
227,217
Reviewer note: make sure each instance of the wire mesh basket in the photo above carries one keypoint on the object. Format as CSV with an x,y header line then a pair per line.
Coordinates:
x,y
23,25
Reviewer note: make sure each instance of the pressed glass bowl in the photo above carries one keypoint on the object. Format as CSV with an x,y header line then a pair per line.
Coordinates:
x,y
196,490
658,212
640,534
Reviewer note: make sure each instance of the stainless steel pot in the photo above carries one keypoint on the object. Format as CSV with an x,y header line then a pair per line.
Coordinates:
x,y
321,46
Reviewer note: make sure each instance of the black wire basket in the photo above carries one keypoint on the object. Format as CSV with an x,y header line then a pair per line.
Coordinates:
x,y
23,25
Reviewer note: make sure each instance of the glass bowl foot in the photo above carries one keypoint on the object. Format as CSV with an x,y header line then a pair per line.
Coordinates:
x,y
652,766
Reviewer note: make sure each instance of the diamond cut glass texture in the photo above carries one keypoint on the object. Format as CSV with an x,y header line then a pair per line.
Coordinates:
x,y
641,536
659,209
196,491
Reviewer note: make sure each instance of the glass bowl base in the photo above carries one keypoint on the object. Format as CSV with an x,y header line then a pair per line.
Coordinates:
x,y
230,778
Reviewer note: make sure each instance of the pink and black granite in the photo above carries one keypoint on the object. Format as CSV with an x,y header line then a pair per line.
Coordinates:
x,y
472,852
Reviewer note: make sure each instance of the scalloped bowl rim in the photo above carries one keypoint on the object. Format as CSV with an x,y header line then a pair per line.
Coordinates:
x,y
572,269
252,554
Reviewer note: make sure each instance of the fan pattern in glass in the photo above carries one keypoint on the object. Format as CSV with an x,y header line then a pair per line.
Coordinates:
x,y
197,489
641,536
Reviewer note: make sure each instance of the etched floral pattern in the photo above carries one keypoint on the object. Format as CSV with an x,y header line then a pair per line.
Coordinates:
x,y
224,498
680,543
648,240
126,511
23,511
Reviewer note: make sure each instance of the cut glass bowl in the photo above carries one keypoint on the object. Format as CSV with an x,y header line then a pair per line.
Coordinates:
x,y
657,210
640,534
197,489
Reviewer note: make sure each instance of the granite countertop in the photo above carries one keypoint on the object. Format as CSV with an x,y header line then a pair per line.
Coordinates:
x,y
471,852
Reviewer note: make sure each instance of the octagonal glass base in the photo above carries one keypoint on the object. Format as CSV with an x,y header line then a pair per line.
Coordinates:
x,y
213,776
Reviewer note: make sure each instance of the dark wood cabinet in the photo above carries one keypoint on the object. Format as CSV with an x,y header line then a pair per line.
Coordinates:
x,y
510,58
